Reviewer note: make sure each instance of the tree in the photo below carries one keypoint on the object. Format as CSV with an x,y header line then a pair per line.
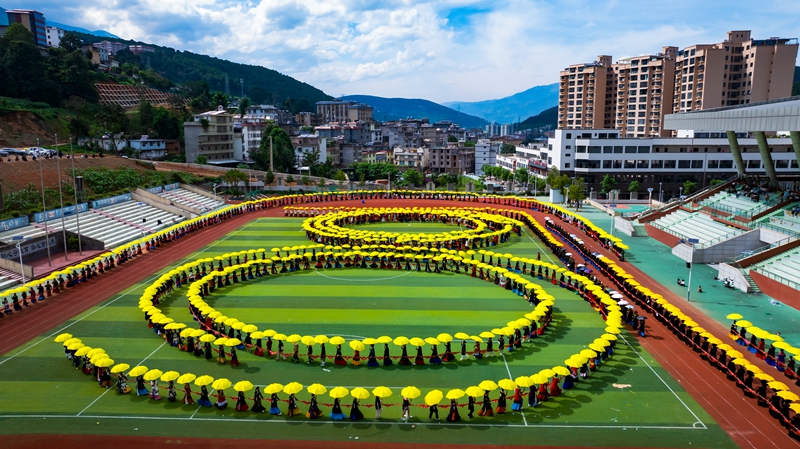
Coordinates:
x,y
507,148
522,175
234,177
577,192
688,187
78,127
201,160
321,183
633,186
289,179
452,138
165,125
244,103
608,183
556,180
362,180
283,151
305,180
269,178
340,176
219,99
147,114
413,177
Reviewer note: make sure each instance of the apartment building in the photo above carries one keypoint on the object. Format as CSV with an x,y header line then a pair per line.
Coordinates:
x,y
211,134
586,95
308,143
453,160
54,36
110,47
377,157
408,158
643,91
739,70
486,153
634,94
31,19
344,110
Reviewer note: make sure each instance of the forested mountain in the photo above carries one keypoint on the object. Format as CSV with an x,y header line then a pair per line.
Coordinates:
x,y
398,108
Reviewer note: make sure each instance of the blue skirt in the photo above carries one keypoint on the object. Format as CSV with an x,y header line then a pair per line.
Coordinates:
x,y
204,402
337,416
274,411
516,407
142,392
435,361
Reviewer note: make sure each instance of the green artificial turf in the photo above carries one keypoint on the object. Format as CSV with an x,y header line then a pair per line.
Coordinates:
x,y
41,392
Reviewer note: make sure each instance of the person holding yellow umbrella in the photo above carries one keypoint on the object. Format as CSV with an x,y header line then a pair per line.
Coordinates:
x,y
357,393
454,395
292,389
337,394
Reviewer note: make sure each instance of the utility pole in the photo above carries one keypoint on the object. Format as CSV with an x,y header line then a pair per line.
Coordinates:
x,y
61,202
271,168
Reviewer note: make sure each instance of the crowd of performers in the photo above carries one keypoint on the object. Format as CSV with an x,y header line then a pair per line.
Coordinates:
x,y
20,298
749,378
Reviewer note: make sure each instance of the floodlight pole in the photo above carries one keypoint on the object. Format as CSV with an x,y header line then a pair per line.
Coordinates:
x,y
61,201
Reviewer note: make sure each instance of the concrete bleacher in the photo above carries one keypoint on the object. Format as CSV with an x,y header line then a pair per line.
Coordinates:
x,y
7,281
112,225
741,206
784,267
695,226
191,199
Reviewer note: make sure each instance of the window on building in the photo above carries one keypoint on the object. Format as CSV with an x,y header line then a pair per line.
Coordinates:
x,y
713,164
669,164
697,164
642,164
617,149
617,164
781,163
683,164
594,149
630,164
755,163
725,164
581,148
657,164
607,149
630,149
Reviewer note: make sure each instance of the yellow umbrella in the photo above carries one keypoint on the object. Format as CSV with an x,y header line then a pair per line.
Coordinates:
x,y
174,326
523,381
62,338
538,379
744,323
431,341
186,378
316,389
321,339
777,385
233,342
99,356
94,352
507,384
764,376
339,392
416,341
444,338
137,371
561,371
382,392
410,392
197,333
788,395
488,385
220,341
187,332
105,363
83,351
207,338
250,328
221,384
795,407
336,340
357,345
734,316
548,373
170,376
401,341
455,394
486,334
433,398
75,346
294,338
273,388
359,393
203,380
257,335
573,362
293,388
474,391
383,339
153,374
119,368
244,385
462,336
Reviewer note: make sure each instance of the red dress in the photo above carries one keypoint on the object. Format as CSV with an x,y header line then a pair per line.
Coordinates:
x,y
555,390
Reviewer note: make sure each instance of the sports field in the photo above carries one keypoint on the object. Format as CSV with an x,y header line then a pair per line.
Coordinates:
x,y
630,401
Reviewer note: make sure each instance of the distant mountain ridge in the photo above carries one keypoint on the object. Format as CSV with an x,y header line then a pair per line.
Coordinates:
x,y
101,33
385,109
513,108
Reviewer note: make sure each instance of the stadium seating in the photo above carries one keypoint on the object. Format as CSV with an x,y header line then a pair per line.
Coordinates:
x,y
741,206
7,282
784,267
695,226
113,225
191,199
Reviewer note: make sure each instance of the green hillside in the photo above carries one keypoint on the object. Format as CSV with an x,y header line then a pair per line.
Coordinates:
x,y
260,84
548,117
398,108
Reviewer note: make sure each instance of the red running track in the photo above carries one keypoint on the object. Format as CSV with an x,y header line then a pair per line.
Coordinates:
x,y
748,425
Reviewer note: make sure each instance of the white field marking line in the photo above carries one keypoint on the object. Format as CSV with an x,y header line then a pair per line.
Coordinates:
x,y
399,423
210,393
97,309
134,287
538,247
665,384
362,280
508,370
112,387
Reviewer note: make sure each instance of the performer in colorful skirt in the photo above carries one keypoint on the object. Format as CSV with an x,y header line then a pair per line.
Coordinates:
x,y
486,407
453,415
204,400
241,403
517,404
355,412
336,411
273,405
258,407
141,389
501,402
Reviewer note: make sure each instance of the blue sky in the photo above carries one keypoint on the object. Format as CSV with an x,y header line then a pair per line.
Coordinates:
x,y
449,50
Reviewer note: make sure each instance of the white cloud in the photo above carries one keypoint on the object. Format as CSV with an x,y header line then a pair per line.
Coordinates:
x,y
411,49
